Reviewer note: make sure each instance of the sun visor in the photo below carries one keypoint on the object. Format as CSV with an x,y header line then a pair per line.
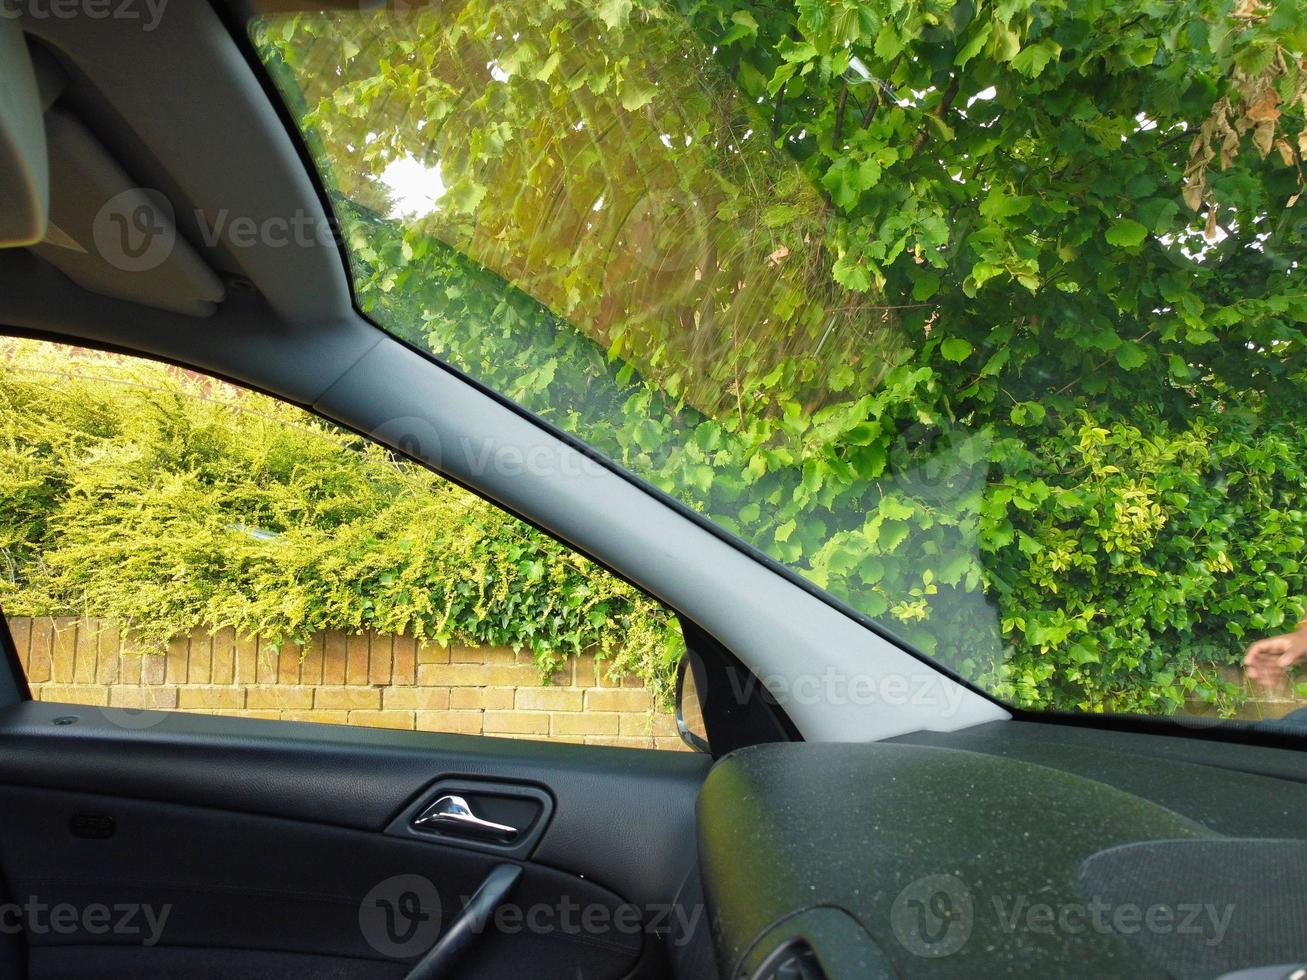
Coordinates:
x,y
114,238
24,166
51,79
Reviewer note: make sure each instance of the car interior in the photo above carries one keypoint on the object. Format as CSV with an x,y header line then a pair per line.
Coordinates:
x,y
804,838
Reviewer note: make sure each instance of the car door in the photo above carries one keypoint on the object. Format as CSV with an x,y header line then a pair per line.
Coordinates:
x,y
227,839
191,846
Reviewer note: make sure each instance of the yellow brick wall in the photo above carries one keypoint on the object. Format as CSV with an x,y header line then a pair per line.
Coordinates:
x,y
358,679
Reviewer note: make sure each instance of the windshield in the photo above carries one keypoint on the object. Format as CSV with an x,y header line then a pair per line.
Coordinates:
x,y
987,320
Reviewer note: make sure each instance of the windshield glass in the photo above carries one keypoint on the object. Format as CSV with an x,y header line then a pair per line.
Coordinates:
x,y
988,320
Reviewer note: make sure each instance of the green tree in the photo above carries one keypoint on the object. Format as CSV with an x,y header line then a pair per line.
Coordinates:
x,y
988,317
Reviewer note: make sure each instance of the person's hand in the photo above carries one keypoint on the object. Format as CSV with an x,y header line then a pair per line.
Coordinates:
x,y
1267,660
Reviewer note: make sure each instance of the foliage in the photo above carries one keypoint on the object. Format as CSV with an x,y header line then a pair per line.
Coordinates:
x,y
986,317
166,501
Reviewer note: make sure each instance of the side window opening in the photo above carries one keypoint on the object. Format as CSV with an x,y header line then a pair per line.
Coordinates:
x,y
168,540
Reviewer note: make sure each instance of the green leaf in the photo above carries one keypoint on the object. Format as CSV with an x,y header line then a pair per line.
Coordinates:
x,y
895,509
550,65
840,377
614,13
794,52
974,45
1144,52
745,19
1177,368
465,195
708,436
925,286
1027,413
943,132
700,476
1256,58
1130,356
851,275
1035,57
778,215
1006,43
888,44
1126,233
999,205
955,349
893,534
743,25
862,434
637,93
847,179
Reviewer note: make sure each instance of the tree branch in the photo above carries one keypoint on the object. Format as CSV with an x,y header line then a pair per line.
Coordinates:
x,y
776,112
941,110
839,113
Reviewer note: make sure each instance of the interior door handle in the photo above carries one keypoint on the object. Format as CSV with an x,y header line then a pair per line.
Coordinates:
x,y
453,816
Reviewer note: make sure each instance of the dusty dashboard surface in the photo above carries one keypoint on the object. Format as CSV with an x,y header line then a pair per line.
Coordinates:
x,y
899,859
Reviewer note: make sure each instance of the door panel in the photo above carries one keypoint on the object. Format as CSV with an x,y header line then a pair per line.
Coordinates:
x,y
263,839
233,881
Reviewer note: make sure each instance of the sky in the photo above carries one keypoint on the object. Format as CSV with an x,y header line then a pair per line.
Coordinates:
x,y
414,188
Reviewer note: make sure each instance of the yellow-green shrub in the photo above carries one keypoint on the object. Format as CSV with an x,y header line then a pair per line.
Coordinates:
x,y
142,493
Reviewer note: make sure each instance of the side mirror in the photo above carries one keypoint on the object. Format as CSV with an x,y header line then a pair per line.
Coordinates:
x,y
689,705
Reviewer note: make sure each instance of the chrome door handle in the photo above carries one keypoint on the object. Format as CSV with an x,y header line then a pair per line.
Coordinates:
x,y
452,815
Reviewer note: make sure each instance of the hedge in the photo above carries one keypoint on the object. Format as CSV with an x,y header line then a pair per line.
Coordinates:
x,y
167,501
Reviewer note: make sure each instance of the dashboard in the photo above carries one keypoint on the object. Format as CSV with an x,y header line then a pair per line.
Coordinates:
x,y
1009,849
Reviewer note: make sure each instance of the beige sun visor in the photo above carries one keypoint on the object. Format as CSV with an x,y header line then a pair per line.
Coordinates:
x,y
24,163
114,238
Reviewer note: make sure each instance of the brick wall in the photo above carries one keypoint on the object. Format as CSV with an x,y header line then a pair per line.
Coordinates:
x,y
356,679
